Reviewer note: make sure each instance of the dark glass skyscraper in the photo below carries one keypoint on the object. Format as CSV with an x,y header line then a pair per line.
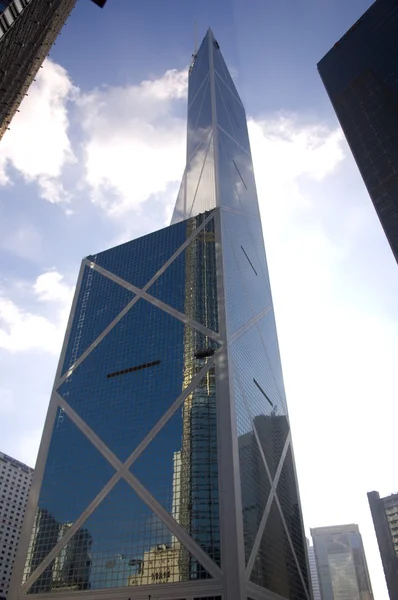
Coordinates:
x,y
385,519
167,438
361,78
28,29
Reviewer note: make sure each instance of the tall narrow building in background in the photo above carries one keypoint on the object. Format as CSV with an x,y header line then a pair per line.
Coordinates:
x,y
316,592
341,563
361,78
15,480
385,519
166,455
28,29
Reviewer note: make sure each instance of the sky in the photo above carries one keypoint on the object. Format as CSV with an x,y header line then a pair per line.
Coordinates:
x,y
94,158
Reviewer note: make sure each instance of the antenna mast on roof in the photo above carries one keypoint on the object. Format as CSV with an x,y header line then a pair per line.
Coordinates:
x,y
195,52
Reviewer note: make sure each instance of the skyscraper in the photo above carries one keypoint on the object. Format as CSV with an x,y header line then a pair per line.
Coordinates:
x,y
167,436
361,78
15,480
313,572
28,29
385,519
341,563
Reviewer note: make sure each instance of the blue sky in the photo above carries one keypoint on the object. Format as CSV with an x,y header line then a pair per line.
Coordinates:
x,y
95,157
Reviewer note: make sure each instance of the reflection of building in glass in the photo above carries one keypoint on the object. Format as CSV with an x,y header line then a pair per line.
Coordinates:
x,y
159,565
71,568
28,29
313,572
385,519
361,78
341,563
169,439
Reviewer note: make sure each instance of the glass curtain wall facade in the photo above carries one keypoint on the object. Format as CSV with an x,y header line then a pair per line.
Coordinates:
x,y
170,386
341,563
385,520
361,78
28,29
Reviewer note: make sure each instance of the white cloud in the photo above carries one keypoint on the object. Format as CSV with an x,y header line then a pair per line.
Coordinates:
x,y
22,330
134,145
37,144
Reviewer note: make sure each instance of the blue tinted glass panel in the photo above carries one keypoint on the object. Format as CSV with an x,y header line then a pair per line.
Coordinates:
x,y
231,115
100,301
184,455
70,483
275,568
199,119
236,178
290,507
222,71
247,285
136,262
130,379
255,482
257,383
121,544
199,71
200,181
180,209
204,198
189,283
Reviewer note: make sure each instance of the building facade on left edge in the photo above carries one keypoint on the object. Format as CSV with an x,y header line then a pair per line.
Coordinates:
x,y
15,480
28,29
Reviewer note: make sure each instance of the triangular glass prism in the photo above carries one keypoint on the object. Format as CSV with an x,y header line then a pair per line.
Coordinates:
x,y
205,195
132,376
226,118
200,180
274,567
228,104
73,477
199,119
139,260
122,543
184,457
189,284
199,70
267,329
100,300
247,287
287,494
180,208
255,483
236,179
222,71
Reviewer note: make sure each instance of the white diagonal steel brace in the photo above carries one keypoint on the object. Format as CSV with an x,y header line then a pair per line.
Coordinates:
x,y
152,300
274,482
267,509
60,380
97,442
234,336
291,546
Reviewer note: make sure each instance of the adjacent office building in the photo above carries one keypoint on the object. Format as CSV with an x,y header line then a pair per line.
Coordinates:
x,y
385,519
361,78
15,480
316,592
341,563
167,438
28,29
